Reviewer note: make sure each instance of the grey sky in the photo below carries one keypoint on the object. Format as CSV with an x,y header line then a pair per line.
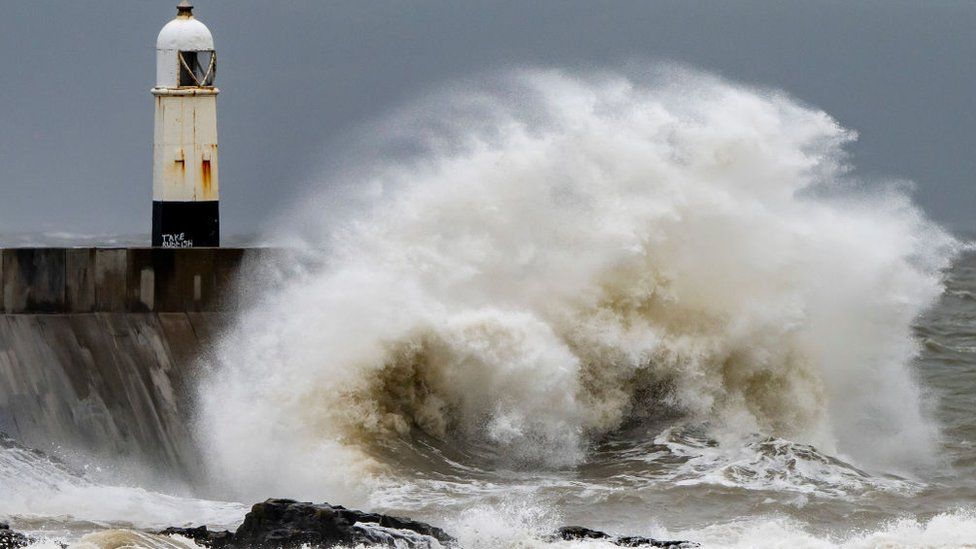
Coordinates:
x,y
75,145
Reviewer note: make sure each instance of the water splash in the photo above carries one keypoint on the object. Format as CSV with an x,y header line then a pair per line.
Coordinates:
x,y
44,497
547,257
767,463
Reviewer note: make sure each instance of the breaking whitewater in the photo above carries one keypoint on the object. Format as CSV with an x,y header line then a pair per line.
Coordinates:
x,y
655,305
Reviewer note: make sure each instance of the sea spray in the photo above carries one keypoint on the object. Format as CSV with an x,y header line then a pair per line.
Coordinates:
x,y
547,257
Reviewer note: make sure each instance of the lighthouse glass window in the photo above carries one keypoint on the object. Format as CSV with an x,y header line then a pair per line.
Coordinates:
x,y
197,68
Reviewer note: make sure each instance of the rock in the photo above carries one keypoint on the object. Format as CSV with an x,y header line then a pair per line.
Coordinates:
x,y
286,524
290,524
12,540
575,533
215,539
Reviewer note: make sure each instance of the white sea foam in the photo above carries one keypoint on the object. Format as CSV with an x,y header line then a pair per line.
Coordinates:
x,y
767,463
528,527
951,529
39,494
74,506
546,255
120,539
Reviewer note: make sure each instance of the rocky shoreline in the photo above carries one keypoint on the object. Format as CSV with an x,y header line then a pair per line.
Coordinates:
x,y
10,539
290,524
287,523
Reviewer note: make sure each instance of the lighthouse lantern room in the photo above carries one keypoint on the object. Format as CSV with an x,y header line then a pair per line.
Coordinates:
x,y
185,191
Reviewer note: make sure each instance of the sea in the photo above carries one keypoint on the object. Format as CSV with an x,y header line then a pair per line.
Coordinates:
x,y
652,302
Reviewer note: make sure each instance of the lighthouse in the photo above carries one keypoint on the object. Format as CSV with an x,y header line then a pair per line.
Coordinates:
x,y
185,191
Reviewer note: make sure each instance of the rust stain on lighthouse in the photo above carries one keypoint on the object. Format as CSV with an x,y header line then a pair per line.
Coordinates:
x,y
206,179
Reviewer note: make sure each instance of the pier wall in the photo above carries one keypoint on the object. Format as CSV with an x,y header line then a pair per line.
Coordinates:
x,y
120,280
99,347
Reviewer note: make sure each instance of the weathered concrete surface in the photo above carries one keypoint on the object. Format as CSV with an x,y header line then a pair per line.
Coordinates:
x,y
112,385
86,280
99,347
34,279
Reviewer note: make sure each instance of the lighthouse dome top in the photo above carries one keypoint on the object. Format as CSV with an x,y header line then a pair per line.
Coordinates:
x,y
185,33
185,56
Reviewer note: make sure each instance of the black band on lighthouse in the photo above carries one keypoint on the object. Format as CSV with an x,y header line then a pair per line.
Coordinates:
x,y
186,224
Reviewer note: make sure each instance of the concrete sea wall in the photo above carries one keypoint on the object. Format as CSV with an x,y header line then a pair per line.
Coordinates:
x,y
119,280
99,347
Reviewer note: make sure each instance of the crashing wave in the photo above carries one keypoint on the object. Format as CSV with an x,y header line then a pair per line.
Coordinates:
x,y
550,257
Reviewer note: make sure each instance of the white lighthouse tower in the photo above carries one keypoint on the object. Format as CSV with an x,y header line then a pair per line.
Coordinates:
x,y
185,191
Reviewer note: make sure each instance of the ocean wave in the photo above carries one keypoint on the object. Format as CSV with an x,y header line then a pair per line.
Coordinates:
x,y
43,496
522,525
767,463
569,254
952,529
